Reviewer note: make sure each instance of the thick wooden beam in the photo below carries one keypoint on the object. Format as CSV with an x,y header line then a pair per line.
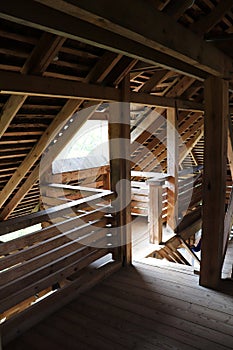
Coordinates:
x,y
43,54
119,146
53,21
10,109
15,83
214,183
164,38
161,101
172,168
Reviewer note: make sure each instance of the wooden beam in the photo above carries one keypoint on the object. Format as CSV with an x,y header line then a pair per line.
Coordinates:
x,y
214,183
156,78
10,109
230,145
103,67
40,17
36,63
155,212
43,54
165,39
161,101
187,148
59,121
119,146
206,23
147,124
21,193
15,83
172,168
98,73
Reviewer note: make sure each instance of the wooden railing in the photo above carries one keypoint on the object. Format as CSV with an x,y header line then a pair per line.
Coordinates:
x,y
52,261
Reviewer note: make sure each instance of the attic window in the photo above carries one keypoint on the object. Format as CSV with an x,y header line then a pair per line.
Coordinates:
x,y
87,149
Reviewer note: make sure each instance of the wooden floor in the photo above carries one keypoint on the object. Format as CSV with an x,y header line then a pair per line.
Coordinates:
x,y
142,307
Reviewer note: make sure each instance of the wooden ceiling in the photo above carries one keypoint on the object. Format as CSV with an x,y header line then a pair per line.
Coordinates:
x,y
29,119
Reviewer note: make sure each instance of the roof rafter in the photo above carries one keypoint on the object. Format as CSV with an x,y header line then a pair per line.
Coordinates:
x,y
60,120
206,23
36,63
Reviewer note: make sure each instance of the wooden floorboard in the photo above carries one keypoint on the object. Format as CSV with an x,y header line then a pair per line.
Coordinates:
x,y
141,307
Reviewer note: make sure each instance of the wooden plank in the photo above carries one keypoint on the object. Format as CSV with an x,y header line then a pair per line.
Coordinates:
x,y
38,312
35,218
172,168
166,39
47,275
214,183
155,213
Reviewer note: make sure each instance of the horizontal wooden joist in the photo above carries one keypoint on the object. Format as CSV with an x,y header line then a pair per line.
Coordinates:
x,y
65,24
14,83
156,30
161,101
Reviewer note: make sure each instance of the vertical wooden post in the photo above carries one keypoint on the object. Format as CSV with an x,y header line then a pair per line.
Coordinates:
x,y
172,168
214,183
155,225
119,136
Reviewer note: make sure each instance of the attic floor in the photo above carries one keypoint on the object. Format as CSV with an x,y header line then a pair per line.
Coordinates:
x,y
141,307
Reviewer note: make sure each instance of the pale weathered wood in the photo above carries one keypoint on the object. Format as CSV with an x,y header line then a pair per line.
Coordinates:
x,y
21,193
172,168
59,121
187,148
9,111
214,183
155,213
